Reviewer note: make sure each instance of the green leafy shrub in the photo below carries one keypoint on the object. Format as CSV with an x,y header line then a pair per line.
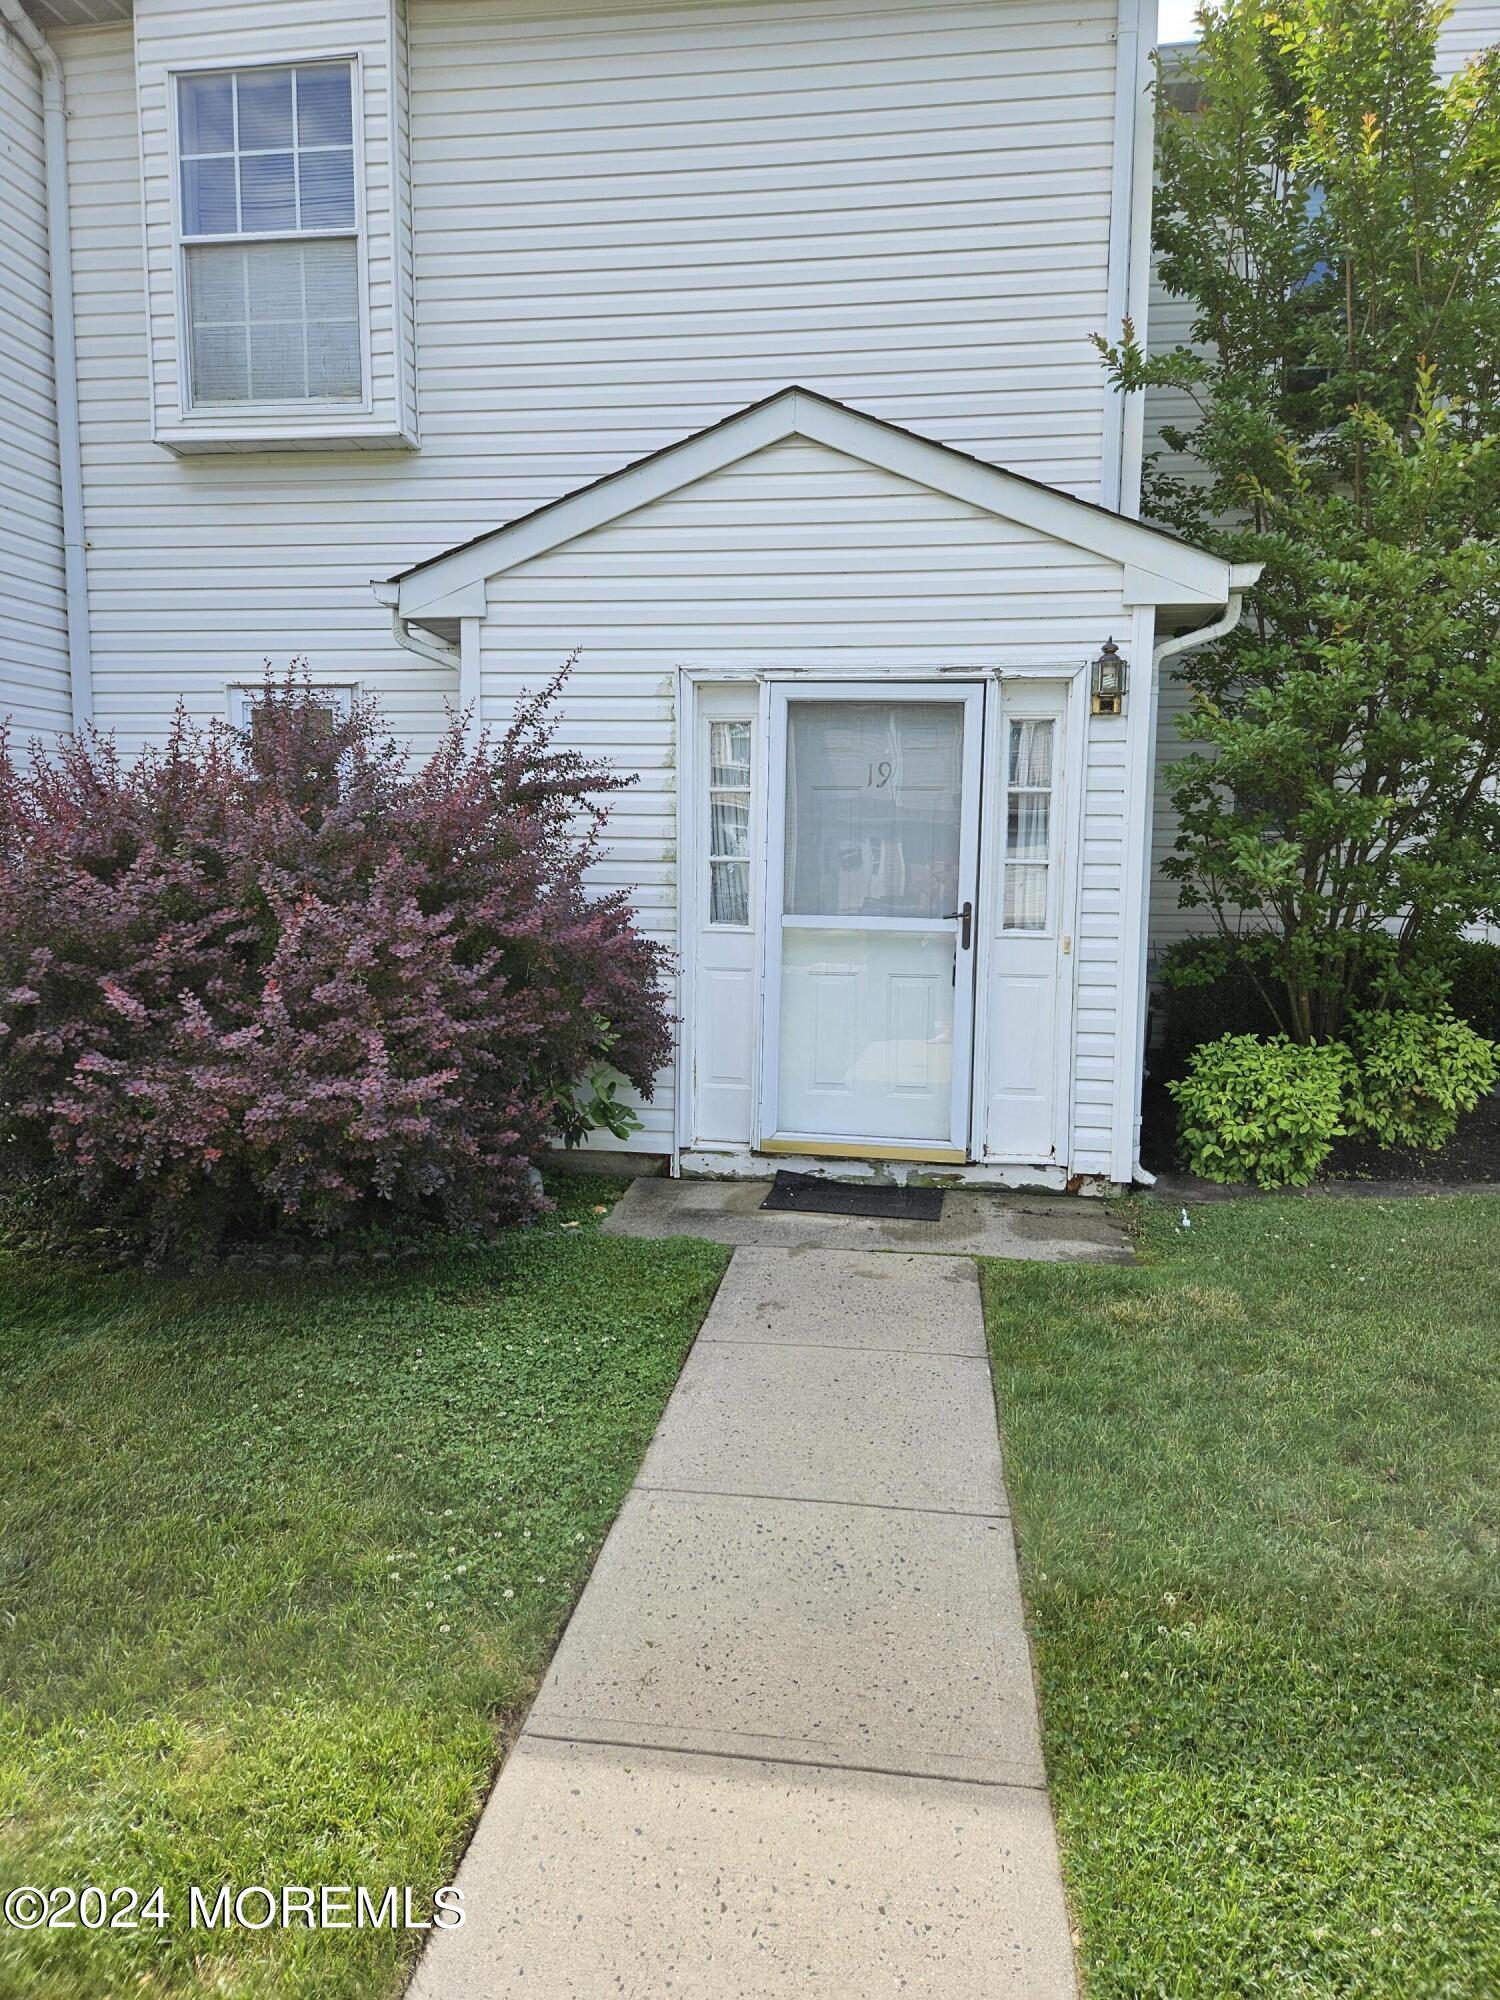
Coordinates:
x,y
1415,1074
1207,992
1474,992
1266,1110
1209,989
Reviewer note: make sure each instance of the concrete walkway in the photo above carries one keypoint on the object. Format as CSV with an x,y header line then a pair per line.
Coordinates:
x,y
788,1746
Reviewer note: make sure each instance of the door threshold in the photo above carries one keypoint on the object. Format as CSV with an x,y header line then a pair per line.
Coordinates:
x,y
864,1149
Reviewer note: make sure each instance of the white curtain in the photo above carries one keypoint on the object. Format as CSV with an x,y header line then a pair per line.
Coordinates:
x,y
1031,753
1025,897
1028,817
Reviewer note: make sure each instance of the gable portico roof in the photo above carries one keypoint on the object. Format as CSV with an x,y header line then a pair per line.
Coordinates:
x,y
1160,568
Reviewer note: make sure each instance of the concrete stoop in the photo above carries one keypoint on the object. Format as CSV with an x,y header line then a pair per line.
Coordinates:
x,y
1051,1229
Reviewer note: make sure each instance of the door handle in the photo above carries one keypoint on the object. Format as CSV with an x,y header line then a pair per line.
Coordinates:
x,y
965,917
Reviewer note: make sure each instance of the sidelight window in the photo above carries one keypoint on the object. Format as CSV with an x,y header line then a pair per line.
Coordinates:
x,y
729,792
1028,824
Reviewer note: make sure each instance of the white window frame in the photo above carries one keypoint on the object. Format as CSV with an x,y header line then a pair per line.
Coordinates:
x,y
1036,692
313,410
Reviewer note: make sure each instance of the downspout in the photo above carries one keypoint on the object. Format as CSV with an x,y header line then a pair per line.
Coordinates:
x,y
462,659
426,645
64,356
1138,279
1241,577
1122,155
1129,252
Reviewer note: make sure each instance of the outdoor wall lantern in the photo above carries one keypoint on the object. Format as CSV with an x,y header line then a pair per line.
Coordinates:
x,y
1109,678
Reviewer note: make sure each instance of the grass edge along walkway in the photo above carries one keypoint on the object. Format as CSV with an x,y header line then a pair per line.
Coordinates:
x,y
282,1560
1257,1493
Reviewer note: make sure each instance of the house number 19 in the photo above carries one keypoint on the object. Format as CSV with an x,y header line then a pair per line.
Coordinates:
x,y
879,775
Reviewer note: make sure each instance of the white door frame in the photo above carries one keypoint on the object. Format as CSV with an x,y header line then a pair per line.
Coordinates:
x,y
1014,695
777,698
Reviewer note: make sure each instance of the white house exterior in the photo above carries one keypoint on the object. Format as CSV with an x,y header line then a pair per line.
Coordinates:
x,y
743,346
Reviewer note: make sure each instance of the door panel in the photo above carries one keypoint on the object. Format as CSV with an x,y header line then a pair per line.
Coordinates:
x,y
1024,1064
867,1034
870,963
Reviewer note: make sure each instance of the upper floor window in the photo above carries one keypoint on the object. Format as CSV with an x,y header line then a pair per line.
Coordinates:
x,y
270,235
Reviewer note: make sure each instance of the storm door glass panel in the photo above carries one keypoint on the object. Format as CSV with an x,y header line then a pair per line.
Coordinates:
x,y
1028,825
729,824
874,823
874,808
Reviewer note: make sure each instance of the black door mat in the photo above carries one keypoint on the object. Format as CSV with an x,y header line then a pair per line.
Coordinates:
x,y
805,1194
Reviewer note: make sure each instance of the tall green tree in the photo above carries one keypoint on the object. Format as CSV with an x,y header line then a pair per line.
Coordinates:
x,y
1331,208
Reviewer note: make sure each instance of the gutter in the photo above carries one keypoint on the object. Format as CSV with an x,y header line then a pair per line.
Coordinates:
x,y
1241,577
64,356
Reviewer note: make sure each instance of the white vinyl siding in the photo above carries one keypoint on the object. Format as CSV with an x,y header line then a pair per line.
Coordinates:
x,y
1472,25
34,686
696,205
799,557
628,222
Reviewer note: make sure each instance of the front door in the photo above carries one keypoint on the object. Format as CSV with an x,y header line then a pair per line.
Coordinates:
x,y
871,906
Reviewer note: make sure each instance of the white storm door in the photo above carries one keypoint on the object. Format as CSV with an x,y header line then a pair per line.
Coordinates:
x,y
872,894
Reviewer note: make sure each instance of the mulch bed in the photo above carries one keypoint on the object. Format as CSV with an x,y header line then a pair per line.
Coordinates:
x,y
1470,1158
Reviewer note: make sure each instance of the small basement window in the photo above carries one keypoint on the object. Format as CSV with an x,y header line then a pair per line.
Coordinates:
x,y
243,702
272,257
336,702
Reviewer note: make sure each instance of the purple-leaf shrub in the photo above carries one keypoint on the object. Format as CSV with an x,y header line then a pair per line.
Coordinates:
x,y
276,977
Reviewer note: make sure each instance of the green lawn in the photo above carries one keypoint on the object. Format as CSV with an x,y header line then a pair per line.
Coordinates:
x,y
282,1558
1257,1488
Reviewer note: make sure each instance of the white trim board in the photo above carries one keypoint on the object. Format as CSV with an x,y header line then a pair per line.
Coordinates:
x,y
1161,570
